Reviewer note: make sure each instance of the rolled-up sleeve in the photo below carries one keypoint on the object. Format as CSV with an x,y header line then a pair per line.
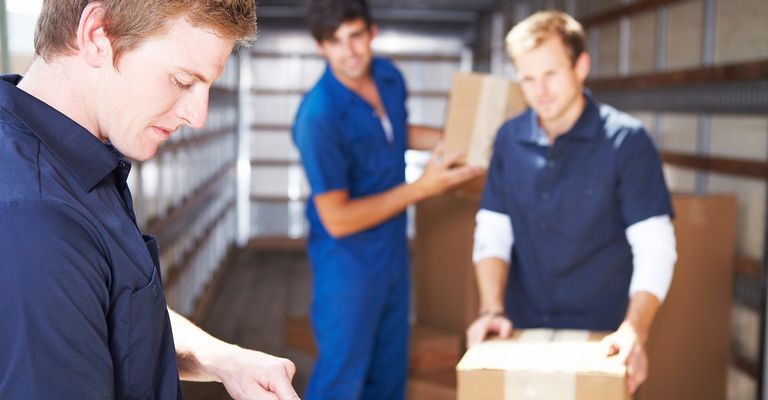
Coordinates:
x,y
653,255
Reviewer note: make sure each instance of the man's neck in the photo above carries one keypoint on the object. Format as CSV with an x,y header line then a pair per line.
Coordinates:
x,y
354,84
563,123
53,84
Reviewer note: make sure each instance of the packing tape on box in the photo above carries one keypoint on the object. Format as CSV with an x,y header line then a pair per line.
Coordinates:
x,y
553,375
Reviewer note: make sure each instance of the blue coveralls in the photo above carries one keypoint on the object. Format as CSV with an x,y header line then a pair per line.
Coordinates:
x,y
360,282
569,204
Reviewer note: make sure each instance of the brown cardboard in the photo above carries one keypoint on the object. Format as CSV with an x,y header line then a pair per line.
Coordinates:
x,y
432,350
445,294
297,335
439,385
688,347
542,364
478,104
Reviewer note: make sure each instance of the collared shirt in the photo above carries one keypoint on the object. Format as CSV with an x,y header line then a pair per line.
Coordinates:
x,y
343,145
82,305
569,204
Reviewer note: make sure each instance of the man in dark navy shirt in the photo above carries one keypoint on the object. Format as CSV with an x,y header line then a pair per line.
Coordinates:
x,y
82,310
574,229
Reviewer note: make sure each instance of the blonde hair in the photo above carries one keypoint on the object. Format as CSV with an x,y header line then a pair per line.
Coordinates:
x,y
128,23
532,31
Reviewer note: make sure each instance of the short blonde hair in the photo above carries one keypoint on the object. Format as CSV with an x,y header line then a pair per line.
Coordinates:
x,y
532,31
129,22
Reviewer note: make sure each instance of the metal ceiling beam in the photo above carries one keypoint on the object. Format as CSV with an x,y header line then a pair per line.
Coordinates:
x,y
381,14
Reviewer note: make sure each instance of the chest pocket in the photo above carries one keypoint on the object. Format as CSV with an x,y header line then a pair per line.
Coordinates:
x,y
372,152
146,331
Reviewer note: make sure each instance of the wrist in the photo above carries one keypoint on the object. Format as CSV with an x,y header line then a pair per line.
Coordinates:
x,y
492,312
420,191
640,334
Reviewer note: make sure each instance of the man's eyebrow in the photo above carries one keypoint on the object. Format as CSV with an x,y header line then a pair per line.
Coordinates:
x,y
197,75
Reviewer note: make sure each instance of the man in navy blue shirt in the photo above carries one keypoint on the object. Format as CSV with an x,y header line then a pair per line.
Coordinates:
x,y
574,229
352,132
82,305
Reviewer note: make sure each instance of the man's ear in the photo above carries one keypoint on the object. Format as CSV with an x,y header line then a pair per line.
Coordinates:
x,y
92,41
373,30
582,66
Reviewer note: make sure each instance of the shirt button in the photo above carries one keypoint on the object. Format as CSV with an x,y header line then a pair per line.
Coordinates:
x,y
154,289
545,196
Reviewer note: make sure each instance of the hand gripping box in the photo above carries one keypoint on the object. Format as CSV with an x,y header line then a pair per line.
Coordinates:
x,y
477,106
542,364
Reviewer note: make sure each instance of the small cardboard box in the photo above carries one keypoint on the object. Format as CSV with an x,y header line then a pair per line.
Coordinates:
x,y
477,106
542,364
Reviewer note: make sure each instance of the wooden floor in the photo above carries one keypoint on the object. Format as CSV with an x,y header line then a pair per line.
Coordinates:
x,y
249,304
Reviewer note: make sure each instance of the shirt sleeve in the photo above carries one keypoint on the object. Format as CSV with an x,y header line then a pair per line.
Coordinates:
x,y
492,197
54,341
653,255
319,140
494,236
642,191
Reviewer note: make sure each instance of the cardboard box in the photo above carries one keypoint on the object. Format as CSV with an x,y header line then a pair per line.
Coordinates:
x,y
439,385
432,350
478,104
445,293
542,364
689,343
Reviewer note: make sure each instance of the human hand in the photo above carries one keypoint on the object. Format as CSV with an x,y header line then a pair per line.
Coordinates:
x,y
440,172
497,323
629,347
253,375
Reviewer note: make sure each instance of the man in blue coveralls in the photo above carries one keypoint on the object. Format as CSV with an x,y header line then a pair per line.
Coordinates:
x,y
351,131
574,228
82,310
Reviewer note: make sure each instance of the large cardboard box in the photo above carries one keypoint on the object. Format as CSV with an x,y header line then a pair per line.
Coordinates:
x,y
445,293
542,364
689,343
432,350
478,104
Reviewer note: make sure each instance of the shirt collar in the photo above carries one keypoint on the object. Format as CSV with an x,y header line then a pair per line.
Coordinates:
x,y
586,126
343,95
88,158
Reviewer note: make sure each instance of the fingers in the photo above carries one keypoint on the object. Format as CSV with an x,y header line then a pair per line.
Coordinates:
x,y
505,327
437,155
452,157
457,175
290,368
479,330
637,369
284,390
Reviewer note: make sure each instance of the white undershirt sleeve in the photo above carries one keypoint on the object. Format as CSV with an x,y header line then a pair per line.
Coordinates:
x,y
493,236
653,255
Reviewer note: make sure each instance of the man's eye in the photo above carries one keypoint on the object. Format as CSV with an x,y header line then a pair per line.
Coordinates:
x,y
181,85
